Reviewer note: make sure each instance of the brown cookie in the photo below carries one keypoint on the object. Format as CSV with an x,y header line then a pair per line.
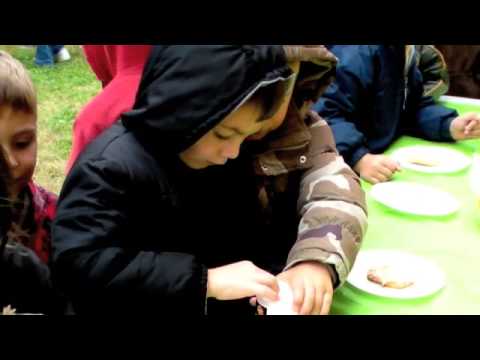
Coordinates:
x,y
388,277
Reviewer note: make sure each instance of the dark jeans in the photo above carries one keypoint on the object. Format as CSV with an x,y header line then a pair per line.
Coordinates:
x,y
45,54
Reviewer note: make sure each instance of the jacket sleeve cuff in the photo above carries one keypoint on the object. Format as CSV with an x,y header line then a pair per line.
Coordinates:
x,y
337,269
445,129
357,156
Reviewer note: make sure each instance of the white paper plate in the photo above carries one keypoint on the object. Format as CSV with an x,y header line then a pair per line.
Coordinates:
x,y
427,277
436,159
414,198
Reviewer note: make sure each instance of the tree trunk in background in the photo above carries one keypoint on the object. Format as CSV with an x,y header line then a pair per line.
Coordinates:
x,y
463,63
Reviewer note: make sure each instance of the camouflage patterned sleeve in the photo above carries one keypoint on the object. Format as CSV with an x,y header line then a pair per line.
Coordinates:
x,y
332,206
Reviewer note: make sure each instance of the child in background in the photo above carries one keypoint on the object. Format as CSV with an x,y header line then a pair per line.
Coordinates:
x,y
28,209
119,68
377,97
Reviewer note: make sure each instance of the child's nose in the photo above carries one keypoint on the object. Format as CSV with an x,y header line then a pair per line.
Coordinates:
x,y
11,160
231,151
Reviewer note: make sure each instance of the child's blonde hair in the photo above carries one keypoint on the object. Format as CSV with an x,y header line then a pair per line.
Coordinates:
x,y
16,86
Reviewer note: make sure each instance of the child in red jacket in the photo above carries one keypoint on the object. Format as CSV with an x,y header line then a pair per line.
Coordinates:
x,y
119,69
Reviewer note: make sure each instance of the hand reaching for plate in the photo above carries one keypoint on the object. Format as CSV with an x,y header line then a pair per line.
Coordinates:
x,y
376,168
466,127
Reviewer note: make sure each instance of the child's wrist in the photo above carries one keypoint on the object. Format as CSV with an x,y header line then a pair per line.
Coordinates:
x,y
453,132
358,167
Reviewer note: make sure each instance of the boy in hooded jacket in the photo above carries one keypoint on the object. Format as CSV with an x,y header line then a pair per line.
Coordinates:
x,y
218,183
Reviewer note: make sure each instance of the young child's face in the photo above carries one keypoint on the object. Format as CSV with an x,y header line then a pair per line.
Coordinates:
x,y
18,139
223,142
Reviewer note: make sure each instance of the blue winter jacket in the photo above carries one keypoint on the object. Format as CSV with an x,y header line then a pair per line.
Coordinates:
x,y
375,100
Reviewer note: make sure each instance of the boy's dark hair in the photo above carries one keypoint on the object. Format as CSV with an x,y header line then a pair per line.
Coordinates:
x,y
16,87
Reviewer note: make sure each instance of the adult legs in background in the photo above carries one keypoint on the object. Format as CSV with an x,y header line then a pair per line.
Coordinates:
x,y
47,54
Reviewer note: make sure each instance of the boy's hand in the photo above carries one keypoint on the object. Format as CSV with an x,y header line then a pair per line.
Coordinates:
x,y
312,287
376,168
241,280
465,127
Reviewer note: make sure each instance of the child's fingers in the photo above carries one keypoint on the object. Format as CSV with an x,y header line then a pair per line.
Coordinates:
x,y
268,279
392,165
471,125
253,302
298,296
379,176
474,134
371,179
317,308
372,176
308,299
386,172
263,292
327,303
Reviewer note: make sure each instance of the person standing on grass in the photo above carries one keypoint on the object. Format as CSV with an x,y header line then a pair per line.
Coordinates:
x,y
47,55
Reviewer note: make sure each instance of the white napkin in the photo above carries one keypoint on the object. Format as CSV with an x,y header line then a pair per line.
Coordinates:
x,y
284,306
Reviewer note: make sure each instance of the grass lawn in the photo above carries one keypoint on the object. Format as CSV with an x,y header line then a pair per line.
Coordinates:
x,y
62,91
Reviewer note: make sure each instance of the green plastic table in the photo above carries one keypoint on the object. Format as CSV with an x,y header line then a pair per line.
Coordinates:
x,y
452,242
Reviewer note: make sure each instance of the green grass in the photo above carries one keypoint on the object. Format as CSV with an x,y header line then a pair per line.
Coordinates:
x,y
62,92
